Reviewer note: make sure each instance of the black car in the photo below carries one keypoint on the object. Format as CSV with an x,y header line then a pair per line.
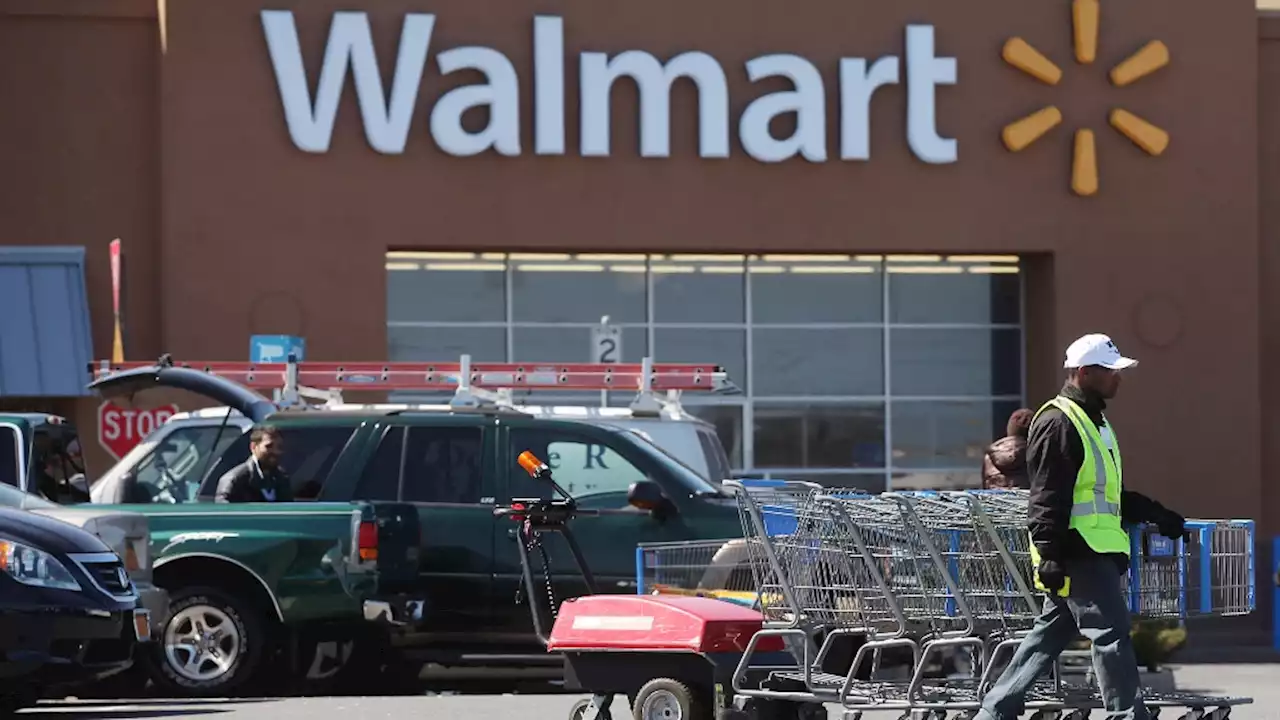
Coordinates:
x,y
68,611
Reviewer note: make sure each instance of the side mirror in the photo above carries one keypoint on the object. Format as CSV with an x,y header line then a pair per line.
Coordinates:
x,y
646,495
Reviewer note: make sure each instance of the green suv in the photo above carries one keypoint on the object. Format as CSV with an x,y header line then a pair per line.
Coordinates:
x,y
454,465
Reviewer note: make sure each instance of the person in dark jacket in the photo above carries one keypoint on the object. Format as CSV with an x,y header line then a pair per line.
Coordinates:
x,y
1080,551
1004,465
258,479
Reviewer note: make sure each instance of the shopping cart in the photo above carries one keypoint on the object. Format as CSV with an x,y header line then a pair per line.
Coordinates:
x,y
932,572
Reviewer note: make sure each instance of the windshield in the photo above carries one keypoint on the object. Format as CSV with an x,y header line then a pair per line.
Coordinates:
x,y
688,475
12,497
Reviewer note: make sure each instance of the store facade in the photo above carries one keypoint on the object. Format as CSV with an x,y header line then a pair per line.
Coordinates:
x,y
885,219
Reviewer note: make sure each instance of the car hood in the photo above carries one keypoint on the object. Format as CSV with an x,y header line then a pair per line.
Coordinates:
x,y
219,389
47,534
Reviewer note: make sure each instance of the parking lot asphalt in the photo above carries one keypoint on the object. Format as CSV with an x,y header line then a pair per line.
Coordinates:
x,y
1259,681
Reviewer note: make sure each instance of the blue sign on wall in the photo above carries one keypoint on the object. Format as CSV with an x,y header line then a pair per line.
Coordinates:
x,y
276,348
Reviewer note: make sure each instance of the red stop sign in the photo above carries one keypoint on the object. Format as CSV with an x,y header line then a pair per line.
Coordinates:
x,y
120,428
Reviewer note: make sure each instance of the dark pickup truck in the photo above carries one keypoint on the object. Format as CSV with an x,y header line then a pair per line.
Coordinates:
x,y
454,465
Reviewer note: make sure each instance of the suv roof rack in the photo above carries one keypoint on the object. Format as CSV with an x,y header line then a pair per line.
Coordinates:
x,y
475,385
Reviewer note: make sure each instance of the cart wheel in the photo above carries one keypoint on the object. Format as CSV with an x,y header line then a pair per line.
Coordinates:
x,y
1193,714
1077,714
812,711
1046,715
1221,713
666,699
583,707
966,715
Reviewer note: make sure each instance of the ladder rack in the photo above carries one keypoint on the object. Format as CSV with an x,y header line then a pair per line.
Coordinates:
x,y
473,384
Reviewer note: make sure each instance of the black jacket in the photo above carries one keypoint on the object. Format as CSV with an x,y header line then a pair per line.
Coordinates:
x,y
1055,453
247,483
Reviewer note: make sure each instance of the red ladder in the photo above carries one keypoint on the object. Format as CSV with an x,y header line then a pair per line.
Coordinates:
x,y
377,376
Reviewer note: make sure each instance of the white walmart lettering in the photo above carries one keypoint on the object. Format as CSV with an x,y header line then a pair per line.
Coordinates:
x,y
387,119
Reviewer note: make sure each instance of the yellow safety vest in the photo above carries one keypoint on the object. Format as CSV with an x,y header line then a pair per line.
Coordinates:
x,y
1095,503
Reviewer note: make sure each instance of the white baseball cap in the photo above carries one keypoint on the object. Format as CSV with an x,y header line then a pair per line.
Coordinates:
x,y
1096,349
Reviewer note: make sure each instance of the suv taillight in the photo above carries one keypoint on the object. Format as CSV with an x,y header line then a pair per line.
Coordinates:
x,y
367,540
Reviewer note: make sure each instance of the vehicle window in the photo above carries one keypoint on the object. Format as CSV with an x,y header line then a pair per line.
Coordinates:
x,y
10,441
381,477
713,450
687,476
443,465
171,473
309,453
582,467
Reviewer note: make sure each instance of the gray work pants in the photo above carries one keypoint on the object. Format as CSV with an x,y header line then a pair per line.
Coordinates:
x,y
1096,609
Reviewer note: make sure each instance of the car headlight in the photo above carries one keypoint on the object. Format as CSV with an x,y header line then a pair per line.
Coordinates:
x,y
38,568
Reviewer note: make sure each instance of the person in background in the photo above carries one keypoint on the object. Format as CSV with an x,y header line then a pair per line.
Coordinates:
x,y
258,479
1004,466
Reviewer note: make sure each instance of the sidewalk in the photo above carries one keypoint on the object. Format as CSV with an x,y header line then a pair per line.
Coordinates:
x,y
1259,681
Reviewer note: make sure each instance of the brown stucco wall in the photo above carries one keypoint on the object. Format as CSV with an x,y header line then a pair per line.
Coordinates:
x,y
1159,258
232,230
80,83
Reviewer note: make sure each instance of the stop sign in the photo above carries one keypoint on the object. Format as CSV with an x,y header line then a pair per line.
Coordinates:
x,y
119,428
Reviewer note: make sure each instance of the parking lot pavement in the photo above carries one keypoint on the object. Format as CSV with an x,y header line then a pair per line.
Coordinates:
x,y
1261,682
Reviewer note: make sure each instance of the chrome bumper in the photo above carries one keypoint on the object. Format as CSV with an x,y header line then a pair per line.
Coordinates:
x,y
393,612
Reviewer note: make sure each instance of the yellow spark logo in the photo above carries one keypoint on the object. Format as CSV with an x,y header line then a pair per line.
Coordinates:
x,y
1084,166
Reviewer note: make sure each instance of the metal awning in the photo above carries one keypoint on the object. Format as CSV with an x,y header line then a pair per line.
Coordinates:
x,y
45,342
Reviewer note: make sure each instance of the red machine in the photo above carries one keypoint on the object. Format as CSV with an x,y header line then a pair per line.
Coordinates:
x,y
673,658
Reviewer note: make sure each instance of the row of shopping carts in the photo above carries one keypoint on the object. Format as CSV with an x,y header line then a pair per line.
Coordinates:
x,y
861,587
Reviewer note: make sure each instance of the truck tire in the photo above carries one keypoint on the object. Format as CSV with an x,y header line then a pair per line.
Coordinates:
x,y
212,644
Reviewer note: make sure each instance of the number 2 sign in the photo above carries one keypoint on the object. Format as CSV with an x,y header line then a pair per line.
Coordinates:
x,y
606,344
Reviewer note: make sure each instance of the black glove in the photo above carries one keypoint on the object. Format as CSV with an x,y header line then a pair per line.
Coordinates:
x,y
1173,526
1052,575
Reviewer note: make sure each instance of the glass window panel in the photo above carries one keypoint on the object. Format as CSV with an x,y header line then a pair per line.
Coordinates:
x,y
446,344
381,477
695,289
563,288
955,361
727,348
954,480
449,289
9,465
949,434
815,289
572,344
819,435
582,467
955,292
171,473
443,465
818,362
1000,413
727,420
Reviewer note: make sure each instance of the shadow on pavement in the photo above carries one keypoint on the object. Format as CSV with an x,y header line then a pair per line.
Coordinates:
x,y
152,702
100,713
